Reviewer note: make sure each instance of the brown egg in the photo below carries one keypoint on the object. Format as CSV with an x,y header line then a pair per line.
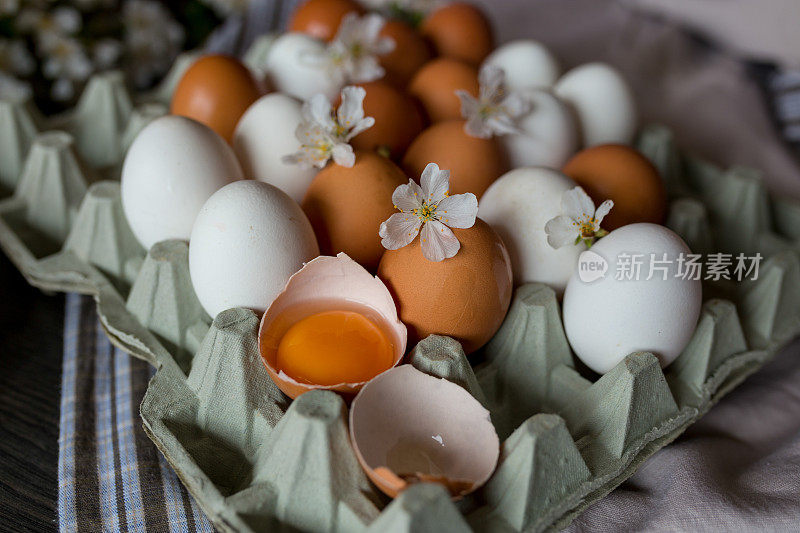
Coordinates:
x,y
465,297
461,31
435,84
409,54
398,119
625,176
474,163
347,205
321,18
216,90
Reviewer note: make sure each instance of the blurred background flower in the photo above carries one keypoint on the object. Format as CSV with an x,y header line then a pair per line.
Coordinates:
x,y
50,48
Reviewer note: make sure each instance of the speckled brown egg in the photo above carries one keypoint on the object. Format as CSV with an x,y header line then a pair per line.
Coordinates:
x,y
347,205
465,297
625,176
474,163
411,51
216,91
461,31
398,119
321,18
434,85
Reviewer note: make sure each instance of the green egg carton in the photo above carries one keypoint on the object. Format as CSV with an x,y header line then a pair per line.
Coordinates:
x,y
257,461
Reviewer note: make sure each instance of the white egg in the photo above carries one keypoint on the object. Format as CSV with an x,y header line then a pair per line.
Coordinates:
x,y
170,170
266,133
294,68
248,239
602,101
549,136
527,64
613,316
517,206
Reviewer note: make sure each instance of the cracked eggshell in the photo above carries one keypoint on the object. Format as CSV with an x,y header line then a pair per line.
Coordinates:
x,y
292,70
609,318
248,240
602,101
172,167
407,426
549,135
327,283
266,133
527,64
517,206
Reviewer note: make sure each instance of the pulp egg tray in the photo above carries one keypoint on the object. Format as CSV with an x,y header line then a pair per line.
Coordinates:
x,y
255,460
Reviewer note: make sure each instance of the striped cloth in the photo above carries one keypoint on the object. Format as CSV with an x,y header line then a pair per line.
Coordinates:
x,y
110,476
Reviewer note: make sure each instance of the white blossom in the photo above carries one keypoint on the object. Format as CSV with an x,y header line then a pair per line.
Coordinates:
x,y
352,56
106,52
49,28
15,58
66,63
13,89
152,39
578,220
429,211
324,134
496,110
9,7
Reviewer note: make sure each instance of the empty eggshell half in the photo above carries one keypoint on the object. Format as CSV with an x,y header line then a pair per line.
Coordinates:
x,y
323,284
409,427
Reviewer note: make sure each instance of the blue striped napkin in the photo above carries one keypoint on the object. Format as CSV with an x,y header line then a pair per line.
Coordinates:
x,y
111,477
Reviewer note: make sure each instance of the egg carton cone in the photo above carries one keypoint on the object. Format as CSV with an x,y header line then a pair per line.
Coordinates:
x,y
539,477
163,300
17,133
163,92
422,508
657,143
688,218
249,454
256,56
100,119
142,115
102,237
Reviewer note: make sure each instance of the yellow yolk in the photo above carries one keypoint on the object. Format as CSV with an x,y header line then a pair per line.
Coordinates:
x,y
334,347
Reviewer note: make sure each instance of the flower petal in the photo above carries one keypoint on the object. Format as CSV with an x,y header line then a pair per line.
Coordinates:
x,y
491,79
458,211
517,105
561,231
577,205
438,242
407,197
399,230
476,126
343,155
318,110
363,124
601,212
435,183
351,110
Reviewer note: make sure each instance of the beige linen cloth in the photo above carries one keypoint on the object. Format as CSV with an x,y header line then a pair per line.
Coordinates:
x,y
738,468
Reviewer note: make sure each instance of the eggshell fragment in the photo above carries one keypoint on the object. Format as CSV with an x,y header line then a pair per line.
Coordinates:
x,y
407,427
264,135
293,69
436,83
527,65
603,102
607,318
548,134
518,206
332,283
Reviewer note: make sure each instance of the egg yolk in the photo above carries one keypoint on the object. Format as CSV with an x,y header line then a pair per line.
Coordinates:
x,y
334,347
